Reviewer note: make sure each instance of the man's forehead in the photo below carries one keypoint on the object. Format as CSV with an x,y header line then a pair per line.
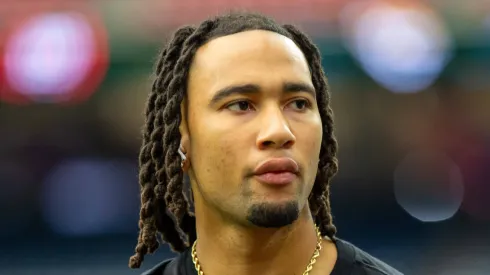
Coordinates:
x,y
260,58
244,45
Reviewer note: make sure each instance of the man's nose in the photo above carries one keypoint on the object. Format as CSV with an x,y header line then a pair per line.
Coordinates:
x,y
275,131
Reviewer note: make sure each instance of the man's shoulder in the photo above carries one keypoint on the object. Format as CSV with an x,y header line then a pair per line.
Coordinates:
x,y
157,269
167,267
172,266
359,262
351,260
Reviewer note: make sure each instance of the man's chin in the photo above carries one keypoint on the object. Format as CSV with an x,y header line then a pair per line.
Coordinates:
x,y
273,214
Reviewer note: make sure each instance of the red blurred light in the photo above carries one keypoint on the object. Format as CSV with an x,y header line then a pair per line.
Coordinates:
x,y
96,63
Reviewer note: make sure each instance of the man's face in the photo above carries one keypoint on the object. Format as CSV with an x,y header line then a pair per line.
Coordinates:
x,y
250,98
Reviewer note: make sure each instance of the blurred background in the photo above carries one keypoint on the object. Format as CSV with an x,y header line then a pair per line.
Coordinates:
x,y
410,83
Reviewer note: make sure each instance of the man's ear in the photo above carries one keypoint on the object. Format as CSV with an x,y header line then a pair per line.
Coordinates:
x,y
184,130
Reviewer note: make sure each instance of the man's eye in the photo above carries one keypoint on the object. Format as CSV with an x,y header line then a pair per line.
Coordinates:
x,y
240,106
300,104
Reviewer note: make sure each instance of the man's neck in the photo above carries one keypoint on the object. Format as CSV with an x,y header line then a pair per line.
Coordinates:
x,y
229,249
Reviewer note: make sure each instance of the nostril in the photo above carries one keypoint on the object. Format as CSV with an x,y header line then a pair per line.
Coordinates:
x,y
288,144
267,143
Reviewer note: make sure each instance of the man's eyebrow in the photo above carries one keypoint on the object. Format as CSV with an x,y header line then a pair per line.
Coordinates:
x,y
295,87
234,90
247,89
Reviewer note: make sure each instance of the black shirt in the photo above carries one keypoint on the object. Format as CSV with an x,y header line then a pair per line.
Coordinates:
x,y
350,261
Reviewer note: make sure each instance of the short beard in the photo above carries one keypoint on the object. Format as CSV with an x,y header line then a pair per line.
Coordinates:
x,y
273,215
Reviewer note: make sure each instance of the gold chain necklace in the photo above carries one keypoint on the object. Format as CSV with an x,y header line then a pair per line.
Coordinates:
x,y
309,267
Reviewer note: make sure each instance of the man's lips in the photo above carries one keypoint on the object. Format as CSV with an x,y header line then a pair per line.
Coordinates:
x,y
277,171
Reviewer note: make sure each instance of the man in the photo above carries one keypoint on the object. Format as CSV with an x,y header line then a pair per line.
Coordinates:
x,y
241,105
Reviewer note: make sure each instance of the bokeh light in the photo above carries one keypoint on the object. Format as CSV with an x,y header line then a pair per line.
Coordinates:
x,y
84,197
402,47
55,57
429,186
486,22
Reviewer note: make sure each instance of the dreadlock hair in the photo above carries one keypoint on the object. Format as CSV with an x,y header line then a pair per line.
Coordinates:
x,y
165,207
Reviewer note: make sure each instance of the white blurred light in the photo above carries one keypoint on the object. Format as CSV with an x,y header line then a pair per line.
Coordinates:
x,y
486,22
84,197
50,55
429,186
403,49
